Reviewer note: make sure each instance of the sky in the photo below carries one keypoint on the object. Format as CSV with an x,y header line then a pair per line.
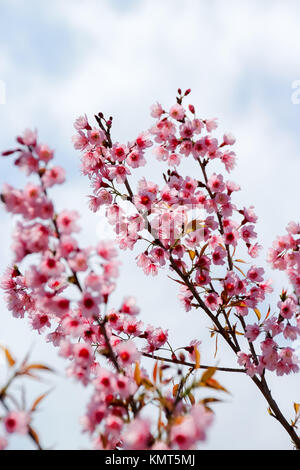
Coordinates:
x,y
60,59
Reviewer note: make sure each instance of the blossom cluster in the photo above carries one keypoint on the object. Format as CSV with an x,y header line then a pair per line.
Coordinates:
x,y
188,224
285,255
64,292
196,228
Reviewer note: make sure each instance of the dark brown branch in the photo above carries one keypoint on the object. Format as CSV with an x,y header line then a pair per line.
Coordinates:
x,y
109,347
260,383
190,364
263,387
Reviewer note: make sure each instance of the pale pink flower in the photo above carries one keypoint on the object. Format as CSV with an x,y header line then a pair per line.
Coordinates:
x,y
293,228
107,250
79,261
119,172
40,321
231,236
129,306
132,327
72,325
186,130
218,255
216,183
135,159
119,152
80,141
287,308
127,352
254,250
156,110
3,443
272,325
95,136
137,435
247,232
211,124
17,422
194,344
202,278
184,435
213,301
177,112
104,198
255,274
44,152
143,141
83,353
249,214
89,305
81,123
156,338
125,386
66,222
105,380
51,266
252,332
291,332
29,138
55,175
114,425
173,159
228,139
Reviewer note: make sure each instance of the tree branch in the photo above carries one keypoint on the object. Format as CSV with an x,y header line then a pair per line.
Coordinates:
x,y
190,364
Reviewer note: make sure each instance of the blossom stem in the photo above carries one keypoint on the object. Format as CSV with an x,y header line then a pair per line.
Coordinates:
x,y
263,387
231,340
111,352
221,228
190,364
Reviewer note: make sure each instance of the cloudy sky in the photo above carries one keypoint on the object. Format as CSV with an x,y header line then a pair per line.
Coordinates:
x,y
241,59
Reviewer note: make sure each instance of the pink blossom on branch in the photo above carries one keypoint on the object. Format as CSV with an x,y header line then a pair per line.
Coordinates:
x,y
192,246
102,346
188,224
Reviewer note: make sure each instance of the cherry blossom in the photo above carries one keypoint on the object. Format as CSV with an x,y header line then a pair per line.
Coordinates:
x,y
187,225
194,246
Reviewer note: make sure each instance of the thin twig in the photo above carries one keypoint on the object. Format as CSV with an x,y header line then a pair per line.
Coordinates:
x,y
190,364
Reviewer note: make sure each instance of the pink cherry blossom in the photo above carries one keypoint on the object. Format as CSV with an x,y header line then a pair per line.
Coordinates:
x,y
137,435
17,422
177,112
66,222
191,226
287,308
213,301
55,175
252,332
